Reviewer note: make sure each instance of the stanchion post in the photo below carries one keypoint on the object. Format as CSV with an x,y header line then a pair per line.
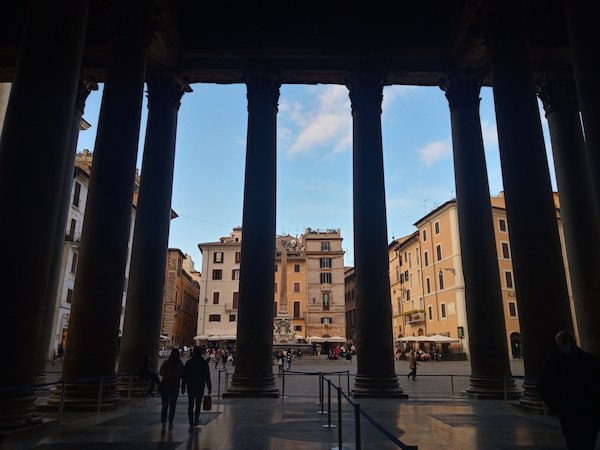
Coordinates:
x,y
505,390
329,425
62,402
100,389
320,389
339,398
357,437
283,385
219,384
348,382
130,386
452,383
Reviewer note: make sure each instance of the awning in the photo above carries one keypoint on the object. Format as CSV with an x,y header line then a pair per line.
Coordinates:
x,y
200,337
164,338
436,339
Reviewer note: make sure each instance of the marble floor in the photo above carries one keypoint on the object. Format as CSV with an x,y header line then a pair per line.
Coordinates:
x,y
428,419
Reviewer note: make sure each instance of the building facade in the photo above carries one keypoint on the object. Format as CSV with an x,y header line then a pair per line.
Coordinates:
x,y
308,287
180,304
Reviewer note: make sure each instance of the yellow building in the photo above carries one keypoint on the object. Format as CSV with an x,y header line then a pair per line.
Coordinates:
x,y
427,284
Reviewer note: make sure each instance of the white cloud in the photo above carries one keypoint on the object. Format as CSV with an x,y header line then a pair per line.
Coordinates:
x,y
490,134
433,152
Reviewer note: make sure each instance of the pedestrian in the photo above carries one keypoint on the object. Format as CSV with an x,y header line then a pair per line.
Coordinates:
x,y
171,371
144,372
280,361
412,365
196,375
569,384
60,352
288,359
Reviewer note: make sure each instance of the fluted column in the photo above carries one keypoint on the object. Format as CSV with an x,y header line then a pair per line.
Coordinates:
x,y
145,292
538,267
582,23
488,345
98,292
375,375
53,38
253,367
581,224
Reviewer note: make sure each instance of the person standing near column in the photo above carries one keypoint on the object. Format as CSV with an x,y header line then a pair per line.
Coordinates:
x,y
196,375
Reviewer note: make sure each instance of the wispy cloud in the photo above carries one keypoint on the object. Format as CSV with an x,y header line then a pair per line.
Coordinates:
x,y
433,152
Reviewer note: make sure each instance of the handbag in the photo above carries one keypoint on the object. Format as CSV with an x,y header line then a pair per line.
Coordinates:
x,y
207,403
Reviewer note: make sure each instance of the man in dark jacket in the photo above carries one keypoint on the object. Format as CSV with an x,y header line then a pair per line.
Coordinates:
x,y
196,375
569,384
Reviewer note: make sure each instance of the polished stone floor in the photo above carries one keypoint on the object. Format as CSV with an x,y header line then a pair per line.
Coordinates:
x,y
435,416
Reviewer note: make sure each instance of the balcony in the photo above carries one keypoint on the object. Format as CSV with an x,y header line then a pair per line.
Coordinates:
x,y
229,307
415,317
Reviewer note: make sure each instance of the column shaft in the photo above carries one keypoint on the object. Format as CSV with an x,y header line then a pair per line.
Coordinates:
x,y
581,19
53,37
98,292
485,310
145,292
580,220
535,245
254,368
375,365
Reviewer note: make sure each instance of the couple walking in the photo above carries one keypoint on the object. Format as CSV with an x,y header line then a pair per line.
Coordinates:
x,y
194,375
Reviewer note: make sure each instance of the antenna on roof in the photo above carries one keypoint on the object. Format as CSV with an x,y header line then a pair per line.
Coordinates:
x,y
425,205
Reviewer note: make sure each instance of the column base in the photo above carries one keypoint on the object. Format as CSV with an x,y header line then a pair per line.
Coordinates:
x,y
85,396
18,410
247,386
531,400
492,388
368,387
133,386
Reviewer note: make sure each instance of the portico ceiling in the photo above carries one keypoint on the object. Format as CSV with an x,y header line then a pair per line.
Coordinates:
x,y
413,42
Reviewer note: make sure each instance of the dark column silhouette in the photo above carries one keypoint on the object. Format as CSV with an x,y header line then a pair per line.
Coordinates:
x,y
538,266
485,309
145,292
581,223
375,375
97,296
53,38
253,367
582,25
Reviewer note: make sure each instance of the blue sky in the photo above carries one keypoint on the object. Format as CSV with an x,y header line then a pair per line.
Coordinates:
x,y
314,145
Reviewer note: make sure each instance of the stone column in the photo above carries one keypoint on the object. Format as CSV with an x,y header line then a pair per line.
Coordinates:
x,y
581,224
375,375
538,265
145,292
86,85
53,38
485,309
253,375
582,23
97,297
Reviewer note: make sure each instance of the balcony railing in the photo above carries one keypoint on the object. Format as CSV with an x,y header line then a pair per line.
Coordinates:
x,y
415,317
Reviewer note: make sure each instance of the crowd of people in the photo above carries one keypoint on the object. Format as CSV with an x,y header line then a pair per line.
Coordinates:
x,y
420,355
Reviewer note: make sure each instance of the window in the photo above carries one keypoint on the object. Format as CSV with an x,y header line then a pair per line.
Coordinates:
x,y
297,268
424,235
417,256
505,250
436,228
427,285
72,229
419,277
410,260
325,263
238,257
509,279
297,327
74,262
397,273
326,320
275,287
410,277
236,297
274,309
216,297
297,310
429,313
296,286
276,267
438,252
441,280
502,225
408,294
443,310
218,257
426,258
235,274
325,246
76,194
217,274
325,277
69,296
421,303
512,309
214,318
326,300
233,317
